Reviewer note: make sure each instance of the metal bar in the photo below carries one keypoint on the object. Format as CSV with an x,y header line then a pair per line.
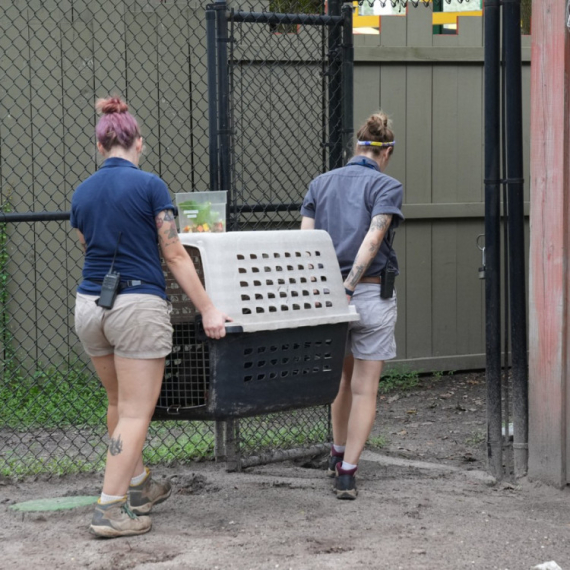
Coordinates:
x,y
347,83
335,88
219,442
274,18
34,217
513,72
212,95
493,238
262,208
224,140
507,448
233,452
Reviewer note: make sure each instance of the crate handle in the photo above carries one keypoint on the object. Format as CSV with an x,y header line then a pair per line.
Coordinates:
x,y
231,328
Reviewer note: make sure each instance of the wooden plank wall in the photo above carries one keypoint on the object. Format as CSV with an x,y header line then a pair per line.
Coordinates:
x,y
549,364
432,88
59,57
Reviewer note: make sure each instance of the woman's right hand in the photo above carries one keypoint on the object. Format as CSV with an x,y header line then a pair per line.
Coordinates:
x,y
214,322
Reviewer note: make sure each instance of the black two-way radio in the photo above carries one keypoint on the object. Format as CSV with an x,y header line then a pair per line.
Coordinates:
x,y
110,285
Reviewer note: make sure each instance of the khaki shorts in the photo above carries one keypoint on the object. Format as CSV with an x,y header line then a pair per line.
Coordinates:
x,y
372,337
138,326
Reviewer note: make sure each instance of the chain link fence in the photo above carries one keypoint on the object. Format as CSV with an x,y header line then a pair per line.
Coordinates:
x,y
284,126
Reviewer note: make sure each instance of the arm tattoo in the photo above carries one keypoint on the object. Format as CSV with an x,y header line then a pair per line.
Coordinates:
x,y
378,228
116,446
172,232
355,274
380,222
165,220
164,216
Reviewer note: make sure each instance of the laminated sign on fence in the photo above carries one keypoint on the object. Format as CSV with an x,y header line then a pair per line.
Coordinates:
x,y
285,346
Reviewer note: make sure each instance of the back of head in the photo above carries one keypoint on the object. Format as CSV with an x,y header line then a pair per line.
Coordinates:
x,y
116,127
376,129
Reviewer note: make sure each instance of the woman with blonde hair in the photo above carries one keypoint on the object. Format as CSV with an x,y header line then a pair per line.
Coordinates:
x,y
360,207
123,216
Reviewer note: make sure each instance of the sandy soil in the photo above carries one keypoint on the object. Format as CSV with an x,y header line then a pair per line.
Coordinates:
x,y
425,503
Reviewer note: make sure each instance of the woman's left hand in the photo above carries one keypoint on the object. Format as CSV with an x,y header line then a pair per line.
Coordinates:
x,y
214,322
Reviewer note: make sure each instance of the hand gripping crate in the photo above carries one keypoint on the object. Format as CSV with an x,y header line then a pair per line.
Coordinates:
x,y
285,346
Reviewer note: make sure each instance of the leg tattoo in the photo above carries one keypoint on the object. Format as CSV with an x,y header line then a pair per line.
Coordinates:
x,y
116,446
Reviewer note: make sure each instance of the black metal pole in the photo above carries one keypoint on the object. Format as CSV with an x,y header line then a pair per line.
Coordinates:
x,y
513,74
224,106
212,95
335,88
493,237
506,324
347,83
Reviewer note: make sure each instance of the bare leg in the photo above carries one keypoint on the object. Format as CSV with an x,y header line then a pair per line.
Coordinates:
x,y
139,384
365,380
340,409
105,368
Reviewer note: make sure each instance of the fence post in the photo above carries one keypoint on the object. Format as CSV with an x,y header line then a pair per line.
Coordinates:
x,y
516,250
224,107
212,95
492,238
335,88
347,83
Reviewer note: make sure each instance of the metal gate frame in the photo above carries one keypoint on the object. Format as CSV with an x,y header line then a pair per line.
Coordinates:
x,y
338,69
338,77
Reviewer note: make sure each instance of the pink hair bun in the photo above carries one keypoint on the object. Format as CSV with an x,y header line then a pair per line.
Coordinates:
x,y
111,105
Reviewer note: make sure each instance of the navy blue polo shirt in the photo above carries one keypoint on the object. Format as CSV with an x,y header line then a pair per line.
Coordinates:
x,y
120,197
344,201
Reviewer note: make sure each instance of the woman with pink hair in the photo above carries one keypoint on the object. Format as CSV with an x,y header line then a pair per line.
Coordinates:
x,y
123,216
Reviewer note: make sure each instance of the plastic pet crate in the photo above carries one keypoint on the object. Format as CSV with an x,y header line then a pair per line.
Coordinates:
x,y
285,347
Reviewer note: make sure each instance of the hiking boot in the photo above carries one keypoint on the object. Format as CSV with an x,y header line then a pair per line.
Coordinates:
x,y
145,495
334,459
345,483
116,519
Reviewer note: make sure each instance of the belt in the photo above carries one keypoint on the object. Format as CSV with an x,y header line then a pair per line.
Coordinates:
x,y
123,284
366,279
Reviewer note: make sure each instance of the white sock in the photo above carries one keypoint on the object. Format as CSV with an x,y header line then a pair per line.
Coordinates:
x,y
106,499
139,478
339,448
347,466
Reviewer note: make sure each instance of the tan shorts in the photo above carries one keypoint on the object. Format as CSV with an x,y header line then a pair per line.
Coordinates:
x,y
372,337
138,326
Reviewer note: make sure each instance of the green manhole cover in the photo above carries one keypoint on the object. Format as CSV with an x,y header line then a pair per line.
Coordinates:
x,y
56,504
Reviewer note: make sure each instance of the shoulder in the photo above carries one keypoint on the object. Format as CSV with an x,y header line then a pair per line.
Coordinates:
x,y
151,182
329,177
85,186
383,182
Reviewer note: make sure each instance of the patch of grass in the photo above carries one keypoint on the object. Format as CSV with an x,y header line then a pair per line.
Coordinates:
x,y
52,398
29,465
476,438
378,441
271,433
398,379
439,374
178,447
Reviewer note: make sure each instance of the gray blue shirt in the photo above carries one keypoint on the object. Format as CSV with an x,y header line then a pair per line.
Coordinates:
x,y
343,203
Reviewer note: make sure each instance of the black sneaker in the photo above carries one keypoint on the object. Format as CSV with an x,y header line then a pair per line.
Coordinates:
x,y
334,460
345,484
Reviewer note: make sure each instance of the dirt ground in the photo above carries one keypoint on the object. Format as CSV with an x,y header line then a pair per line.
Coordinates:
x,y
425,503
